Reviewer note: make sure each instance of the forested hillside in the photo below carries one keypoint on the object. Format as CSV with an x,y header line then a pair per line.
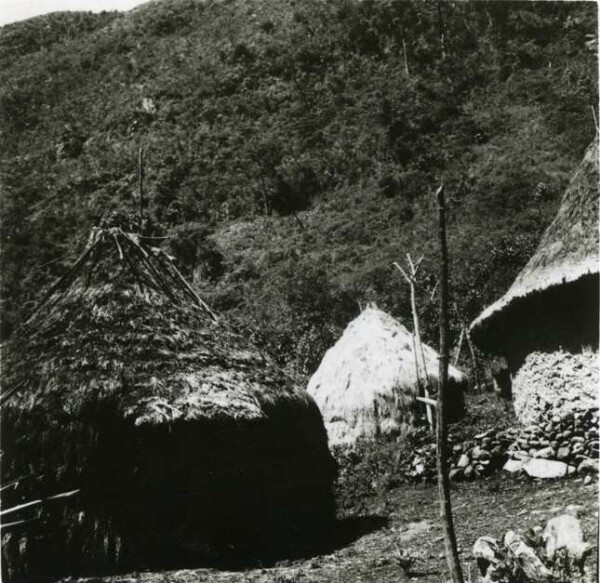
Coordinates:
x,y
293,146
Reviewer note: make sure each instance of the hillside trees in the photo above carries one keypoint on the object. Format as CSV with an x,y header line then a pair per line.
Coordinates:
x,y
342,113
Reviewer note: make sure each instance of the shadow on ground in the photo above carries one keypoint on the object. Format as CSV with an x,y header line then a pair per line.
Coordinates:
x,y
342,533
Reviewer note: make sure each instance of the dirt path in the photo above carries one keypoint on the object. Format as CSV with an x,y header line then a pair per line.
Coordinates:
x,y
410,546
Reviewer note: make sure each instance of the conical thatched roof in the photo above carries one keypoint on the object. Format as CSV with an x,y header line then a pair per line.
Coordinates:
x,y
568,250
366,383
184,442
123,325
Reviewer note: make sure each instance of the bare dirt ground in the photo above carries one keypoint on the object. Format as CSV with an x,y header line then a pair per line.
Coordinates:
x,y
407,545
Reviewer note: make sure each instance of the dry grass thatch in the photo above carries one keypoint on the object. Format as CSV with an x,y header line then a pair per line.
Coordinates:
x,y
181,437
567,253
367,382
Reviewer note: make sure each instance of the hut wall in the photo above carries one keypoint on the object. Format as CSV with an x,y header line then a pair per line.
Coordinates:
x,y
173,495
563,317
550,340
557,381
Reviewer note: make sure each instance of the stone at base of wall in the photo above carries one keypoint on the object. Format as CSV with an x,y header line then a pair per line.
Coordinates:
x,y
557,381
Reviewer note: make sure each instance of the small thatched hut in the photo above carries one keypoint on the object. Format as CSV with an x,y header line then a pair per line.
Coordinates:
x,y
548,319
367,382
184,442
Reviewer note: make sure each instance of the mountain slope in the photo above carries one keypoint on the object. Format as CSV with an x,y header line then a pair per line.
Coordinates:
x,y
292,148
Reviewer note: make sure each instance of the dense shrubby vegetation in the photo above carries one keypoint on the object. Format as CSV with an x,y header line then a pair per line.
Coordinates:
x,y
292,148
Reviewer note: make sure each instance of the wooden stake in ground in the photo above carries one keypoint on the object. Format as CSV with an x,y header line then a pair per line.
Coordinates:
x,y
141,183
442,457
474,362
411,279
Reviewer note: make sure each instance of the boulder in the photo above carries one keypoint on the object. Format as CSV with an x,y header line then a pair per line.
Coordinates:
x,y
513,466
527,558
545,453
588,466
541,468
455,474
486,552
564,533
463,462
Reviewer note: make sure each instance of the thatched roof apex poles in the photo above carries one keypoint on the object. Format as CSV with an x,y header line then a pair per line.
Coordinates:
x,y
123,325
567,252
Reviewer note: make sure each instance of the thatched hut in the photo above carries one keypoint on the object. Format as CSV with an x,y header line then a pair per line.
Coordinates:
x,y
367,382
550,313
184,442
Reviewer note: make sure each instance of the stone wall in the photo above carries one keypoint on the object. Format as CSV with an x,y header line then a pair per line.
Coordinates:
x,y
559,381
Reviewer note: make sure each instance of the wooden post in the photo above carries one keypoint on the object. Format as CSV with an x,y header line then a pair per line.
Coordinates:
x,y
460,341
406,71
473,359
141,182
417,344
442,453
441,29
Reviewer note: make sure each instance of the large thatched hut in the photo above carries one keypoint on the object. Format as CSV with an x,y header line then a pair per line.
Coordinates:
x,y
367,382
184,442
546,325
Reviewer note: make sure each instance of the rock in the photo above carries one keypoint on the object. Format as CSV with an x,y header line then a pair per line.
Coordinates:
x,y
564,532
566,417
545,453
455,474
475,452
513,466
540,468
562,453
588,466
527,558
587,480
577,448
486,552
497,451
577,439
484,455
468,472
463,462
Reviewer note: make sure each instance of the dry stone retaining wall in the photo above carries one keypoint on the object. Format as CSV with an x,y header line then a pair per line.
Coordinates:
x,y
571,439
559,381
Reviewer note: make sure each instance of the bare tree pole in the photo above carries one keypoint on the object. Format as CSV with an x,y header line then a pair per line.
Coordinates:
x,y
473,358
406,71
411,279
442,431
141,183
442,30
459,346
